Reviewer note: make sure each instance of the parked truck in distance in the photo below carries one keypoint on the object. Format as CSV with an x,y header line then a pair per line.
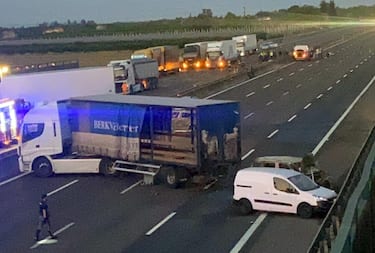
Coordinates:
x,y
168,57
221,54
246,44
194,56
113,133
135,75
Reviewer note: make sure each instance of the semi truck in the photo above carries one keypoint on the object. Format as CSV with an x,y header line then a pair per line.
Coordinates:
x,y
135,75
221,54
306,52
194,55
111,133
168,57
246,44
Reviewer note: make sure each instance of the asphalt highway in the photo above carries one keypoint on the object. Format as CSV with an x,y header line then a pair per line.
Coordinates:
x,y
286,111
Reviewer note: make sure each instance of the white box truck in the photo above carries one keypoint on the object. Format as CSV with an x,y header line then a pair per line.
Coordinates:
x,y
221,54
246,44
135,75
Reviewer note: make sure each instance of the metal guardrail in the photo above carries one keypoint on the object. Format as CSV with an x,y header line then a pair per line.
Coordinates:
x,y
330,233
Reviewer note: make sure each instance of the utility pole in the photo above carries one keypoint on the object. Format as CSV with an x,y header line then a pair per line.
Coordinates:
x,y
244,11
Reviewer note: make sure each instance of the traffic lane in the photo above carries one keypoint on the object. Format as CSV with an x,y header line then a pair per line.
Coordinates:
x,y
19,212
96,207
9,165
106,221
208,223
336,156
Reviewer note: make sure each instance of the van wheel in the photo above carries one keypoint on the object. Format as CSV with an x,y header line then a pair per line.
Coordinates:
x,y
42,167
106,166
245,206
304,210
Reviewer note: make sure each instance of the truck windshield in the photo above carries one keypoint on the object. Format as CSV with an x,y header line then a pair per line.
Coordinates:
x,y
303,182
190,49
213,54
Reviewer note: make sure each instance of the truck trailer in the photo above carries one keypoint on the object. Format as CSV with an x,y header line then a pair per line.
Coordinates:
x,y
194,56
168,57
135,75
221,54
40,87
113,133
246,44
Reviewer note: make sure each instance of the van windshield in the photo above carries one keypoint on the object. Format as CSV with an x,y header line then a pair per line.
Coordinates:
x,y
303,182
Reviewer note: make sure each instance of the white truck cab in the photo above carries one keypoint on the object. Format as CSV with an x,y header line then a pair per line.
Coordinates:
x,y
280,190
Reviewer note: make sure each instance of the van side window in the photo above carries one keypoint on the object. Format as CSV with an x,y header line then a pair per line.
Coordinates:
x,y
282,185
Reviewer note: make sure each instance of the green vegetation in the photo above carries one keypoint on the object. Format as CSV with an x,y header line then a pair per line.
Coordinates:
x,y
264,24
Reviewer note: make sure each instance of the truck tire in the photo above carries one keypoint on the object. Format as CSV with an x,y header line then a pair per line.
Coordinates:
x,y
304,210
42,167
245,206
172,178
106,166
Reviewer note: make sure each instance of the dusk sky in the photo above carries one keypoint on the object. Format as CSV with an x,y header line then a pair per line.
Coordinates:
x,y
15,13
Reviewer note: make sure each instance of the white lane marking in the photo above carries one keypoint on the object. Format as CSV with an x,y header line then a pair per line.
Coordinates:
x,y
317,61
273,133
161,223
301,69
269,103
247,154
285,93
248,233
131,187
307,106
45,240
345,75
338,81
361,63
310,78
329,88
365,59
248,81
250,94
292,118
266,86
326,137
62,187
249,115
351,71
291,74
298,86
280,79
15,178
319,96
356,66
310,65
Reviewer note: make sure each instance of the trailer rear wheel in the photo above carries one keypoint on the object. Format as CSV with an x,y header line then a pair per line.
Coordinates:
x,y
172,178
106,166
42,167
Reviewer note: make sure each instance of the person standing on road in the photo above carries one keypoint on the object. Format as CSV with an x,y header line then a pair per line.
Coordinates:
x,y
43,218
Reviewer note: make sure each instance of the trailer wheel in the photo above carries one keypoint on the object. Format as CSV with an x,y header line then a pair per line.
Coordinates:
x,y
172,178
106,166
42,167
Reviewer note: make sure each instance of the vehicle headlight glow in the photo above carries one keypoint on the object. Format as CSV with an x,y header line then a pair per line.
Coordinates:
x,y
320,198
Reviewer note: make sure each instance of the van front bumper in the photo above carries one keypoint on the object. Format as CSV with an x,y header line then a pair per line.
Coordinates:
x,y
324,206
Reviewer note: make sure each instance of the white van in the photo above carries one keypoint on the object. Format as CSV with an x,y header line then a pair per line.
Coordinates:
x,y
280,190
